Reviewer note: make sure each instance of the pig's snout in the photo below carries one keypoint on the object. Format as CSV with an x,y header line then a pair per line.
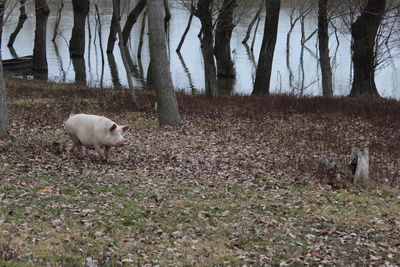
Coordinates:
x,y
123,143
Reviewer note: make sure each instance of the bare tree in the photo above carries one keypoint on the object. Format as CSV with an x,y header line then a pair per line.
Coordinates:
x,y
3,98
142,29
264,68
204,13
58,20
39,50
256,16
178,49
223,34
21,21
77,42
324,58
131,20
112,37
98,19
167,16
124,56
364,32
167,105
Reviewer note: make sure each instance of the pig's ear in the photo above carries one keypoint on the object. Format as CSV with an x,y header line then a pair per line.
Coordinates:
x,y
113,127
125,128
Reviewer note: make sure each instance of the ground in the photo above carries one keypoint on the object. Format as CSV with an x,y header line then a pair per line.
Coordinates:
x,y
236,184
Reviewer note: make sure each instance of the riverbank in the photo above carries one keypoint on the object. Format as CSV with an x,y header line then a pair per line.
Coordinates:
x,y
235,184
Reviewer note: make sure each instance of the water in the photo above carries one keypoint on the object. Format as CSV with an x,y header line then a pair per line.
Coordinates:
x,y
299,73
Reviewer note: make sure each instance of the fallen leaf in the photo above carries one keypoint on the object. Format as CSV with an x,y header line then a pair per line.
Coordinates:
x,y
46,190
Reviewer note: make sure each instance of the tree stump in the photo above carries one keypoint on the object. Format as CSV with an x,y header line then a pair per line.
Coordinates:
x,y
359,165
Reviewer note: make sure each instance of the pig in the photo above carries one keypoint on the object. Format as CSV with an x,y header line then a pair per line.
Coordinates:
x,y
95,131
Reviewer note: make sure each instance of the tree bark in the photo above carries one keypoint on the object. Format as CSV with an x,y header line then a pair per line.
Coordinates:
x,y
77,42
112,37
203,12
3,97
324,58
21,21
359,166
131,20
167,105
167,16
42,11
223,34
139,52
265,60
79,66
100,43
364,31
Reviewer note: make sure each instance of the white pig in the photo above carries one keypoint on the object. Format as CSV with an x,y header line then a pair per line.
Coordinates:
x,y
95,131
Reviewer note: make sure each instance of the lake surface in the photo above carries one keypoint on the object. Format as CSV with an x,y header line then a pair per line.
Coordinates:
x,y
299,73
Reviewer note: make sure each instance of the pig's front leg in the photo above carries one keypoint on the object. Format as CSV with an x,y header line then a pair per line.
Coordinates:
x,y
100,151
106,152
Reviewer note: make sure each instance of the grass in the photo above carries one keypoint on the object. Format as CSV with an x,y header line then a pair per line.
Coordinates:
x,y
238,225
234,185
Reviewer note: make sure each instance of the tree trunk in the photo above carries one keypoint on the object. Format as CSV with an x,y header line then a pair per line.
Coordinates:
x,y
124,56
100,43
167,16
131,20
112,37
79,66
359,166
3,98
77,42
324,58
265,60
167,106
39,50
178,49
364,31
21,20
222,48
203,12
139,52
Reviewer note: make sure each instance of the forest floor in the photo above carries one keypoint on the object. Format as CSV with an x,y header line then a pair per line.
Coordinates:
x,y
237,184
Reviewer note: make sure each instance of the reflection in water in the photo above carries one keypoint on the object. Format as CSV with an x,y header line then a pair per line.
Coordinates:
x,y
185,68
113,70
13,53
141,70
285,76
60,64
42,76
301,71
135,69
225,85
250,54
80,69
289,68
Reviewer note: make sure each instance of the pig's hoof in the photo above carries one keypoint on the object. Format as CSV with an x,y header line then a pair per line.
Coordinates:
x,y
79,157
